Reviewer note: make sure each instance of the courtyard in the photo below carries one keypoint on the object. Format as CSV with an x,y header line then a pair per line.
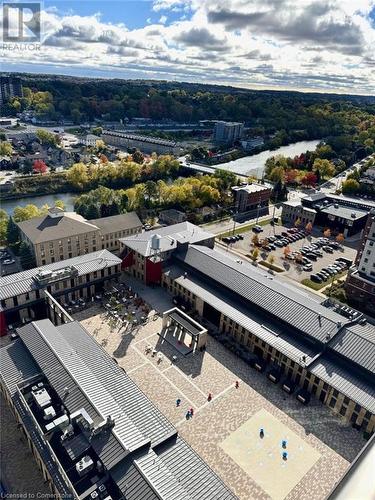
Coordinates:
x,y
224,428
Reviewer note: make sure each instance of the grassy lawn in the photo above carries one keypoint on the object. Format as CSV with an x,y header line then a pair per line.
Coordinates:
x,y
319,286
244,229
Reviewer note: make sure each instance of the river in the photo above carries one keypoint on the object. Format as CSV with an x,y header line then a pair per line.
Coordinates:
x,y
39,201
254,165
249,165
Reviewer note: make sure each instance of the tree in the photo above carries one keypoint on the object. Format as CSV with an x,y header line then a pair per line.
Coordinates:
x,y
92,212
4,218
271,259
27,258
254,255
60,204
286,251
340,238
327,233
255,240
309,227
77,175
6,148
39,167
138,157
13,233
350,186
47,138
309,179
277,174
297,222
324,167
25,213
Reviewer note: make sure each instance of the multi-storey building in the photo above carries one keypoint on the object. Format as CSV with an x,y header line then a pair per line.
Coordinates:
x,y
22,297
144,143
10,86
144,254
360,283
227,132
93,432
292,211
62,235
252,198
321,351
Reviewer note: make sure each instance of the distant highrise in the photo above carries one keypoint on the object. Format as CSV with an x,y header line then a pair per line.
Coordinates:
x,y
10,86
227,132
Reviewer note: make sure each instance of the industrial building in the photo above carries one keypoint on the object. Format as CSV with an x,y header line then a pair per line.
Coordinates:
x,y
80,278
253,198
61,235
327,353
92,431
144,143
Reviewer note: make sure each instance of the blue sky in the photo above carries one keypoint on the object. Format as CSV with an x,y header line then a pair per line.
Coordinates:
x,y
322,45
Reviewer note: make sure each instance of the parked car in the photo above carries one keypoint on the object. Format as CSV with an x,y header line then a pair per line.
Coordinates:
x,y
274,375
257,228
307,267
328,249
8,262
240,236
316,278
288,386
311,256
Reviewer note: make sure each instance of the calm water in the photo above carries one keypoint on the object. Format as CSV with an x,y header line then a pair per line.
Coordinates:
x,y
250,165
254,165
39,201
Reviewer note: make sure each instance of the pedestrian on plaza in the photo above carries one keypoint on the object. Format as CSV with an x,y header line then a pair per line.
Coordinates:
x,y
209,397
178,402
237,384
191,412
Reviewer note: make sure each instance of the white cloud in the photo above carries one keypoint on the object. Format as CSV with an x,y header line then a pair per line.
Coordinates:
x,y
309,44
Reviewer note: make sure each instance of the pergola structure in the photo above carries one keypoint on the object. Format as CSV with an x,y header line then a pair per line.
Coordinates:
x,y
182,332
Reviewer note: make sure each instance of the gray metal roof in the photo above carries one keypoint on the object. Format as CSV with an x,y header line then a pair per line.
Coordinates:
x,y
17,365
149,420
71,358
257,286
267,331
357,343
345,212
23,282
170,236
345,382
185,464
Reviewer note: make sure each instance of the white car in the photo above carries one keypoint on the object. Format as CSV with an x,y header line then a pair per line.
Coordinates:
x,y
307,267
8,262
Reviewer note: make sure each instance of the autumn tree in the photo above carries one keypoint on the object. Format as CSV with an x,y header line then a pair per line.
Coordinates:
x,y
77,175
327,233
6,148
286,251
47,138
254,255
39,167
309,227
255,240
297,222
340,238
309,179
324,167
25,213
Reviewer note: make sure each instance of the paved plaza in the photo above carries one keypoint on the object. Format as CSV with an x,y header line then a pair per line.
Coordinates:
x,y
225,430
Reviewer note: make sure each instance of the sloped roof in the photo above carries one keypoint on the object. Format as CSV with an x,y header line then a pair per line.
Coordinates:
x,y
23,282
279,299
47,228
169,236
118,222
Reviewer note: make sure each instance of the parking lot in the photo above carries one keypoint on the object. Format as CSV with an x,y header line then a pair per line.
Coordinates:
x,y
293,268
8,262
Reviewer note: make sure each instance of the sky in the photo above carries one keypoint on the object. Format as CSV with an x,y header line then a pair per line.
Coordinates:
x,y
308,45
